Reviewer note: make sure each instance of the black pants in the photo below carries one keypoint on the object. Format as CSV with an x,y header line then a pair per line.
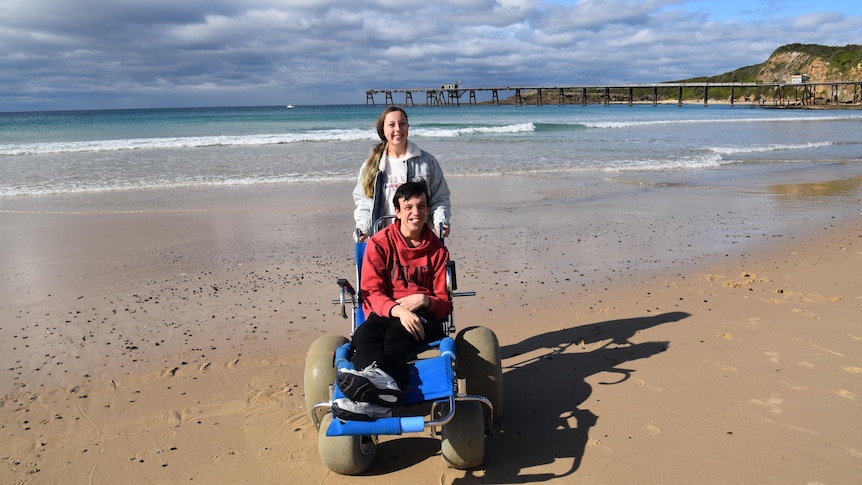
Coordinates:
x,y
385,341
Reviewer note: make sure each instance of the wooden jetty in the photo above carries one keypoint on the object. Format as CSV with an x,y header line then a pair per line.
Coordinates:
x,y
779,93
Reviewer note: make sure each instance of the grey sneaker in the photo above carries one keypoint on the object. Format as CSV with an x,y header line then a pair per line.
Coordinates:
x,y
370,385
347,410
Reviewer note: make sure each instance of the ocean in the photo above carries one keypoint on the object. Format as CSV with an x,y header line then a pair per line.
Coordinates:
x,y
81,152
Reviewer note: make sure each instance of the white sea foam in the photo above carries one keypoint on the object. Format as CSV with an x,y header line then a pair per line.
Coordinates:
x,y
117,186
631,123
768,148
243,140
711,158
474,130
181,142
707,160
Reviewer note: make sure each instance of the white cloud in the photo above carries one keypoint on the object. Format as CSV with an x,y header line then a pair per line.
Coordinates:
x,y
56,54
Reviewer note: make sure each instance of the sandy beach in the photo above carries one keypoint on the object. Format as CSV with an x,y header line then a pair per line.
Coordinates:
x,y
664,334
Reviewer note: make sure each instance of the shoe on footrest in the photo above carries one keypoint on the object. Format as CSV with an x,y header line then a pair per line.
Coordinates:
x,y
370,385
347,410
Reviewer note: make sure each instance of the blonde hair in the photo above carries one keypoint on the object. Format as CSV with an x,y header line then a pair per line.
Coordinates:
x,y
368,175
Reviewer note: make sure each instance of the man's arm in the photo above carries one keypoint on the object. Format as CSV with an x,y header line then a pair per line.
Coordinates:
x,y
376,290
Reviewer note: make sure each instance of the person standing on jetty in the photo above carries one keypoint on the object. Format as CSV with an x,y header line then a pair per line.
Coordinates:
x,y
394,161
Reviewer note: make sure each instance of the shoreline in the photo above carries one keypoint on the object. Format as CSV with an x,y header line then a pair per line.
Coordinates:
x,y
168,344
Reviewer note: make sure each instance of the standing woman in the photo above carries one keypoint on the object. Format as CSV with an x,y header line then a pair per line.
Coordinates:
x,y
394,161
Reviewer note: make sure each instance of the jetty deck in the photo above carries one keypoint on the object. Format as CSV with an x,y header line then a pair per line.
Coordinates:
x,y
777,93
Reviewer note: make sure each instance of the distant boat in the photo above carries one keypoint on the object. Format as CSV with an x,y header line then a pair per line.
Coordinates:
x,y
290,106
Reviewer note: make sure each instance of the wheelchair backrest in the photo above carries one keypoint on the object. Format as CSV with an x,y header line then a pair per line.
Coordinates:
x,y
359,315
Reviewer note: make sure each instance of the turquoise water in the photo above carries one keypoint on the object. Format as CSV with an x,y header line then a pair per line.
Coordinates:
x,y
119,150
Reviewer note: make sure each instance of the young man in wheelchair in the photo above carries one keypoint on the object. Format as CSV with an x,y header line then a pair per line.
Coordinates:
x,y
405,299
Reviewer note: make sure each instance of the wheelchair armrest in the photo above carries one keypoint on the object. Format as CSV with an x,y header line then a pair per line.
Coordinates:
x,y
345,285
451,276
347,294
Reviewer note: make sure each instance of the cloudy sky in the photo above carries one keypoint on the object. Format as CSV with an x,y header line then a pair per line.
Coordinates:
x,y
80,54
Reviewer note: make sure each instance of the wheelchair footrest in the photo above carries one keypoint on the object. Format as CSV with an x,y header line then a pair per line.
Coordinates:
x,y
431,379
382,426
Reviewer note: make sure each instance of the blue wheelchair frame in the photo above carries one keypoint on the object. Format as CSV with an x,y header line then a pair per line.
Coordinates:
x,y
432,379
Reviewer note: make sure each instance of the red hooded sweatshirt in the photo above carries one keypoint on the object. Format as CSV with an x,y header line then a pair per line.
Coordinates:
x,y
393,269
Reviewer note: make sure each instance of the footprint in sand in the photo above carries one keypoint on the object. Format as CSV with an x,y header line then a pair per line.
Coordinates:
x,y
723,365
806,313
828,351
726,336
846,393
713,277
653,430
818,299
853,369
773,356
643,383
169,373
773,403
595,442
794,387
176,418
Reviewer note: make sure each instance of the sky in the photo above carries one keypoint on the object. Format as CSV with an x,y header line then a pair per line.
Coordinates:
x,y
108,54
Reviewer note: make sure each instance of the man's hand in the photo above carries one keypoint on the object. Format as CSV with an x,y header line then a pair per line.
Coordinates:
x,y
410,321
414,302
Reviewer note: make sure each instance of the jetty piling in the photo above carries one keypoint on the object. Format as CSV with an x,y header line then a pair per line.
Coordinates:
x,y
811,93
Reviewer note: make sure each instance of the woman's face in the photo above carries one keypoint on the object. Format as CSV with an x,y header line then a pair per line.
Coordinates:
x,y
395,128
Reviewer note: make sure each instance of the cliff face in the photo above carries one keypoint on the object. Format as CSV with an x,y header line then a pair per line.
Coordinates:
x,y
819,63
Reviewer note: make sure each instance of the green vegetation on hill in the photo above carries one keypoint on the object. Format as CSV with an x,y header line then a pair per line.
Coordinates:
x,y
843,59
842,63
821,64
742,75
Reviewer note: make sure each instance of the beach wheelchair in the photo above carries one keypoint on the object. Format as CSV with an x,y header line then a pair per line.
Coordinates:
x,y
455,389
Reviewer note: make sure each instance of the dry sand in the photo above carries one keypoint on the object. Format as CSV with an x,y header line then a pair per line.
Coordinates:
x,y
658,336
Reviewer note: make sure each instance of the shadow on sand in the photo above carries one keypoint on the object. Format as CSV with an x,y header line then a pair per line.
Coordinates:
x,y
545,383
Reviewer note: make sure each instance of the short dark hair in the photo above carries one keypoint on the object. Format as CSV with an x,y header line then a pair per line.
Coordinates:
x,y
409,190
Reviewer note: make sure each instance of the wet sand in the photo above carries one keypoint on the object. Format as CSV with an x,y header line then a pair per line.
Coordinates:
x,y
664,333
